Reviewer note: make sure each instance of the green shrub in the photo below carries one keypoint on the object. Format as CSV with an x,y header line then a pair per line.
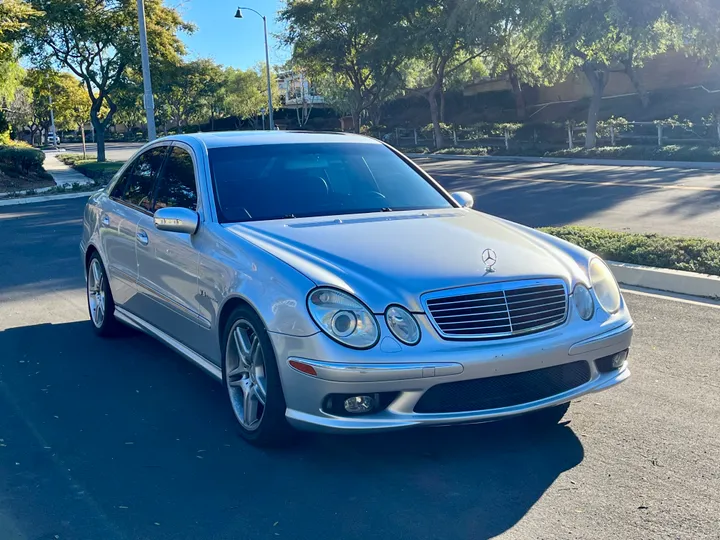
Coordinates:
x,y
675,253
72,159
21,159
102,172
476,151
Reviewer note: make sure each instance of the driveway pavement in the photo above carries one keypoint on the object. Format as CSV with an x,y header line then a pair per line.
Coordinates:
x,y
670,201
122,439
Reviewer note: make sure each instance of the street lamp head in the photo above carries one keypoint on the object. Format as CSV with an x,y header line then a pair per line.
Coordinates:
x,y
238,14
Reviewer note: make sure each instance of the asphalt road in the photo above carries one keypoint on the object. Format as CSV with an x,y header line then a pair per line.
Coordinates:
x,y
676,202
123,439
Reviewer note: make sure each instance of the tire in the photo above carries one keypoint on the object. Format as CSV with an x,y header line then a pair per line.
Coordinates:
x,y
251,378
101,306
545,418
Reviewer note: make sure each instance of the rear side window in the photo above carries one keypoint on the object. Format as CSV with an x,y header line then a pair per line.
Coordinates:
x,y
176,186
140,181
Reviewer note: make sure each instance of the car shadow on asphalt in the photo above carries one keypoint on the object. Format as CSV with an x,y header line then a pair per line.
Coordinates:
x,y
122,438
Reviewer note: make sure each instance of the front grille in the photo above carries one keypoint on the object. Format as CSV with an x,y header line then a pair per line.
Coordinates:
x,y
499,312
503,390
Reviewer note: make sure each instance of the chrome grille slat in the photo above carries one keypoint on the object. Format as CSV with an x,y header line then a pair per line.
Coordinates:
x,y
505,310
471,314
553,298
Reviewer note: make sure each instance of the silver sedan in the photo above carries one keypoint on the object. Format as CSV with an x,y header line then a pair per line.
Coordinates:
x,y
332,285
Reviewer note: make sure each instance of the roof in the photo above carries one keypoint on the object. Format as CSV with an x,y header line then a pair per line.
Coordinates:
x,y
218,139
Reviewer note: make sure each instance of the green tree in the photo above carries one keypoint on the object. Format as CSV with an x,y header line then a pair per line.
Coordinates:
x,y
72,106
42,85
448,35
15,15
352,49
244,93
596,36
97,41
187,91
514,50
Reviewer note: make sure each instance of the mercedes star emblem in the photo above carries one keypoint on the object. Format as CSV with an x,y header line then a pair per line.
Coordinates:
x,y
489,258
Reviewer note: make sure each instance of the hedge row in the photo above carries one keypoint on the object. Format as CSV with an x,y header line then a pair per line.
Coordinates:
x,y
641,153
676,253
21,159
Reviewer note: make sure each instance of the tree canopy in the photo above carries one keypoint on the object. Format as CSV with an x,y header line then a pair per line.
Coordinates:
x,y
98,41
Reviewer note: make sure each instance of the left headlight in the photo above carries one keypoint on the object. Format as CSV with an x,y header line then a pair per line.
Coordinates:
x,y
606,288
343,317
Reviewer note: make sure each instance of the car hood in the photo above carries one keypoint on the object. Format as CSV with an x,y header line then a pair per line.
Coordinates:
x,y
396,257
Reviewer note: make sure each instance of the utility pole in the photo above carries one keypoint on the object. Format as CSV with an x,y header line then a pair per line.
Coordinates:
x,y
147,83
52,119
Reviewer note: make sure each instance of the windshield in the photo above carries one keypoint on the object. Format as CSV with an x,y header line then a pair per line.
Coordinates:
x,y
299,180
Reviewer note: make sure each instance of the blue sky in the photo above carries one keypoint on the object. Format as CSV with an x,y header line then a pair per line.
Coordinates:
x,y
229,41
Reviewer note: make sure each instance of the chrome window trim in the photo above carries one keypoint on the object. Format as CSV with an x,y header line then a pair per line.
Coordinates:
x,y
501,286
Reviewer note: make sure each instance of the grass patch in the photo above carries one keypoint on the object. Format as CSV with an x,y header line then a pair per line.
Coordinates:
x,y
675,253
101,172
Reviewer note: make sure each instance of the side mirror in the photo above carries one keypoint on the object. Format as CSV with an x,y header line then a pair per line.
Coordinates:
x,y
176,219
463,198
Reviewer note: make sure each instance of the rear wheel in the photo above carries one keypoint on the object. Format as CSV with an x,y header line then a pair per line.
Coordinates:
x,y
100,301
252,380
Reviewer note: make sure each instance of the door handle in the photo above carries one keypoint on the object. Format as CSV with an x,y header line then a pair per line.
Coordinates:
x,y
142,237
106,220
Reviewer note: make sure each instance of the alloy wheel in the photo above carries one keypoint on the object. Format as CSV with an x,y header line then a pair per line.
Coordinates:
x,y
245,374
96,293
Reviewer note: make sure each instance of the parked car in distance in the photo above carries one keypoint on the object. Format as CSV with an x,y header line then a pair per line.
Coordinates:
x,y
53,139
333,285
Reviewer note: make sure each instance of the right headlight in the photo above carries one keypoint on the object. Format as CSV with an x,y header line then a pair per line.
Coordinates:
x,y
403,325
343,317
606,288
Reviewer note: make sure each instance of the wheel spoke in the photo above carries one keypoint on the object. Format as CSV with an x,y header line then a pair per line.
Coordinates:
x,y
100,314
96,273
235,375
243,346
250,405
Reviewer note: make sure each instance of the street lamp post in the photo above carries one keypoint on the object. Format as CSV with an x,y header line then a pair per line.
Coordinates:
x,y
147,84
239,15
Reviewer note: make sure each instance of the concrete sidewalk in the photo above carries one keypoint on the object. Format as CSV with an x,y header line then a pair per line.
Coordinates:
x,y
698,165
64,174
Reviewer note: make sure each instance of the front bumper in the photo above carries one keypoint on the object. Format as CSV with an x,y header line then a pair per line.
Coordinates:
x,y
343,371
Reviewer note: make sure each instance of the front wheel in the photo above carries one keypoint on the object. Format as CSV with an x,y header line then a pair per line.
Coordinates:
x,y
100,301
252,380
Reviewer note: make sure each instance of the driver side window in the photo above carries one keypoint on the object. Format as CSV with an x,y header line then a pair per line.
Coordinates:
x,y
136,185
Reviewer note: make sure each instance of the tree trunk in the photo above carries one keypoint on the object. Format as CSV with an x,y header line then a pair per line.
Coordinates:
x,y
212,119
100,141
435,117
637,84
82,135
356,121
520,108
99,126
597,77
442,106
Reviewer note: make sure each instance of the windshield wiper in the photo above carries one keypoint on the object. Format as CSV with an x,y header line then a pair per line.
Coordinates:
x,y
386,209
289,216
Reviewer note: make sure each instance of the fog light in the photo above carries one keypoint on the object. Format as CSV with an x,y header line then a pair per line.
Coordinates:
x,y
619,359
359,404
612,362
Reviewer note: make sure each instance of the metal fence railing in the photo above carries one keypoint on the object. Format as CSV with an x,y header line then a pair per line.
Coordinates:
x,y
610,133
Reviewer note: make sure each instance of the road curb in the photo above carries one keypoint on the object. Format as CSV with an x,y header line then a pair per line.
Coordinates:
x,y
46,198
701,165
661,279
